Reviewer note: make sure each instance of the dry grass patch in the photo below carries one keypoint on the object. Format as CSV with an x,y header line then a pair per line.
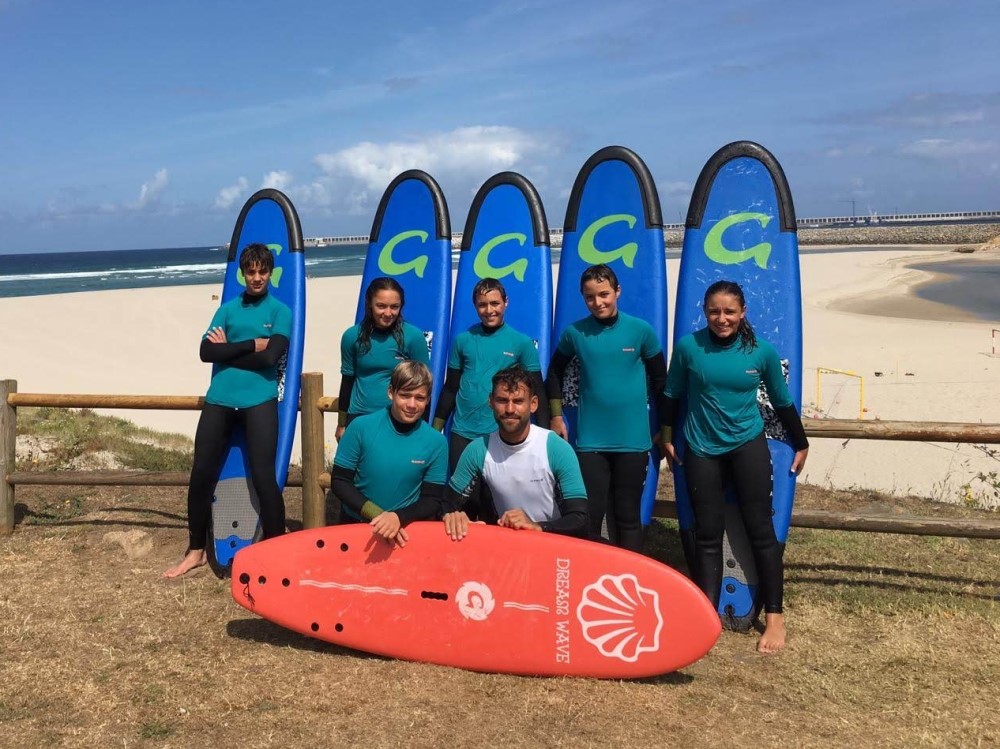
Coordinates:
x,y
894,641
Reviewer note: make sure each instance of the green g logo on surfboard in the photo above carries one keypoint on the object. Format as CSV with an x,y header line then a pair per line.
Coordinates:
x,y
719,253
390,267
589,252
275,274
482,268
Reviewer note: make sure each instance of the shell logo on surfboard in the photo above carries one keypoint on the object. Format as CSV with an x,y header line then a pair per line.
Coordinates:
x,y
620,618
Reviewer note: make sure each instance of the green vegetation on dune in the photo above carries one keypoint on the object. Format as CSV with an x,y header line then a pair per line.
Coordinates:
x,y
70,439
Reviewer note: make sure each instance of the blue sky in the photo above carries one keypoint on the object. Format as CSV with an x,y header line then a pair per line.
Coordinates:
x,y
147,124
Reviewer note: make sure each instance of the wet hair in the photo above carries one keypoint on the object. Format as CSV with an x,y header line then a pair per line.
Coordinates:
x,y
256,254
599,273
485,286
748,339
410,375
382,283
511,378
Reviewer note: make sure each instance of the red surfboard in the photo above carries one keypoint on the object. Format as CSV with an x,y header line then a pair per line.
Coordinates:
x,y
500,600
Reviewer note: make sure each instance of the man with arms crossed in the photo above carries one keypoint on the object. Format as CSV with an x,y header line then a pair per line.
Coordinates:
x,y
531,476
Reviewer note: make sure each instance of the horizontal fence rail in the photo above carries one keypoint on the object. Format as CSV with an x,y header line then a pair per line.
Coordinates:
x,y
314,479
150,402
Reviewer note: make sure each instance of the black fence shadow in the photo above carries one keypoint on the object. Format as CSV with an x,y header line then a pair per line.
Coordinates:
x,y
799,574
865,570
24,515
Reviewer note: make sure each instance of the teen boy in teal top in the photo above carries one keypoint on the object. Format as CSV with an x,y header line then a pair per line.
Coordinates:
x,y
618,354
391,466
476,355
244,319
245,341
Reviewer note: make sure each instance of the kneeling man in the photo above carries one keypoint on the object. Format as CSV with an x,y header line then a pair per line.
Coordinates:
x,y
530,476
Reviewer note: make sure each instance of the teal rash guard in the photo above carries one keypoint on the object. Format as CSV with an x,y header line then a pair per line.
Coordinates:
x,y
243,319
479,354
720,383
390,465
612,412
372,369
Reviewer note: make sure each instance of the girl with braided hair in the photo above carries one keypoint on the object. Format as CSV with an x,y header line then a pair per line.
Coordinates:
x,y
718,370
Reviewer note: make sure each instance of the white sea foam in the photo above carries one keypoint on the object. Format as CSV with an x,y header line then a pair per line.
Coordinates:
x,y
170,270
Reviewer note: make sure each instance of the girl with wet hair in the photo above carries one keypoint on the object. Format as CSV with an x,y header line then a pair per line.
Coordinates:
x,y
370,350
718,370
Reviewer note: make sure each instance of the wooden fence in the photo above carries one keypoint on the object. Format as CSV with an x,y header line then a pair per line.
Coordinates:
x,y
314,479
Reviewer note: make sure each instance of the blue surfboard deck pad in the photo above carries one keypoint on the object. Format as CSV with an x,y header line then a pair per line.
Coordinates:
x,y
507,237
410,242
613,217
267,217
741,227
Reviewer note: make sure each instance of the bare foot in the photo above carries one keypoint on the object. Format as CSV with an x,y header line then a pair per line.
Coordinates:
x,y
773,638
193,559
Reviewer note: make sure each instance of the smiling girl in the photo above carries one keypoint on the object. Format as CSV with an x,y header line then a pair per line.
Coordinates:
x,y
370,350
719,370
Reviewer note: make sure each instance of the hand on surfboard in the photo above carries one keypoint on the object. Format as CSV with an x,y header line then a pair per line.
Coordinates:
x,y
388,527
456,525
799,461
518,520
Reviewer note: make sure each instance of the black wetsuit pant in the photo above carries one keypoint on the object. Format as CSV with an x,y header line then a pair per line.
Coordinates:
x,y
614,483
210,443
748,469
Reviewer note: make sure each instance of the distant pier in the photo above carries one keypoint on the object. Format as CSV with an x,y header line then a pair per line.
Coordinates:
x,y
914,228
824,222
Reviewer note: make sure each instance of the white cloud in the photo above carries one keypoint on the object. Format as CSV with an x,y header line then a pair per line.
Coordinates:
x,y
468,151
948,150
229,196
675,188
151,190
276,180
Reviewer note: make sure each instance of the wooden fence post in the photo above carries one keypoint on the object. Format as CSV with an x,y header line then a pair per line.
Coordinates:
x,y
313,453
8,456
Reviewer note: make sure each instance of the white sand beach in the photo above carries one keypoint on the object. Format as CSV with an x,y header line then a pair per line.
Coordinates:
x,y
921,361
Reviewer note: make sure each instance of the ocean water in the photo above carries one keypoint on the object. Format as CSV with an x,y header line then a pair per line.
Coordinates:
x,y
970,286
65,272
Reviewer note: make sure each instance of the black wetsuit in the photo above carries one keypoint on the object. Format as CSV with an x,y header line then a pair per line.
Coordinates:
x,y
216,425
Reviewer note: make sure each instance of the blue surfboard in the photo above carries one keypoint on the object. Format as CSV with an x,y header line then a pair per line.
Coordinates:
x,y
269,218
507,237
613,217
741,227
411,242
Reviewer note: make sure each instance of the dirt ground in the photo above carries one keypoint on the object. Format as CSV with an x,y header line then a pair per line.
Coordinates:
x,y
894,641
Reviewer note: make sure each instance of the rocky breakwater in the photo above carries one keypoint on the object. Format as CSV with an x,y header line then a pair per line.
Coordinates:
x,y
943,234
887,235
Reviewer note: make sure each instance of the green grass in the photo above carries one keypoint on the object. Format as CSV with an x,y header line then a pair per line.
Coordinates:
x,y
155,730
